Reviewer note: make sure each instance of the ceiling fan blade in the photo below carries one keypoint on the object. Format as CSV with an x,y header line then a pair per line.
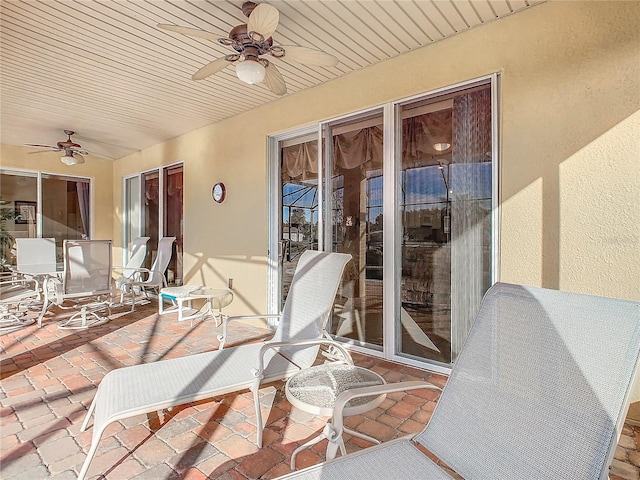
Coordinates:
x,y
264,20
42,146
309,56
210,68
273,80
192,32
42,151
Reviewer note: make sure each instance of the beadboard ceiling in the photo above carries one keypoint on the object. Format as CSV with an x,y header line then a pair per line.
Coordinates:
x,y
103,68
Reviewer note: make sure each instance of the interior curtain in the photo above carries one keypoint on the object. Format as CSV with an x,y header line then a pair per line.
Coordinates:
x,y
83,202
300,160
352,149
421,132
364,146
470,211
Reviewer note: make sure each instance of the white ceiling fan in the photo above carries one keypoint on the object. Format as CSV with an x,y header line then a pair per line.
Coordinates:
x,y
251,40
73,153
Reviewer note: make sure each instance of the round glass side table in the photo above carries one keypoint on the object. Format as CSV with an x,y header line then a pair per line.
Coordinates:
x,y
314,390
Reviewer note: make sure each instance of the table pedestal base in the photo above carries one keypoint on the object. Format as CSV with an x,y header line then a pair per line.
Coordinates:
x,y
332,446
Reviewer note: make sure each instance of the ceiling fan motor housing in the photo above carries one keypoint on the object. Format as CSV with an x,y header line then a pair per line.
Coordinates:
x,y
241,41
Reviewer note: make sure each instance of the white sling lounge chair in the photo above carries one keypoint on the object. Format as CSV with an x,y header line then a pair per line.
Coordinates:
x,y
149,387
127,273
540,391
144,278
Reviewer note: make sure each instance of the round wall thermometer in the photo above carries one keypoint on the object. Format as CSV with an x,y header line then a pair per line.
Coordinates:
x,y
218,192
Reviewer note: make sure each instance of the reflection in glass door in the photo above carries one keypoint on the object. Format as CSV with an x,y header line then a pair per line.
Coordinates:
x,y
131,220
299,205
354,153
150,214
173,208
445,211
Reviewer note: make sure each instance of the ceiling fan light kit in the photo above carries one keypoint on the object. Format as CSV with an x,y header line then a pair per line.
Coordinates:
x,y
250,40
250,71
69,160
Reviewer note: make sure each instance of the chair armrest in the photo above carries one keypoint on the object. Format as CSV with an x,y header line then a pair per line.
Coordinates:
x,y
135,276
225,321
337,423
258,373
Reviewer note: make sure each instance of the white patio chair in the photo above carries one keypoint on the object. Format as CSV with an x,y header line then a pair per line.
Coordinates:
x,y
153,278
540,391
36,255
149,387
127,273
17,294
86,281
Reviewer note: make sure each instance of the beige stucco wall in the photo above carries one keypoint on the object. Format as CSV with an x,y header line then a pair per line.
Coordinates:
x,y
99,170
570,150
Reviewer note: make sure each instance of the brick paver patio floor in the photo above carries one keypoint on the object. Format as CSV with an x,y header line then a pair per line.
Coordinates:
x,y
49,376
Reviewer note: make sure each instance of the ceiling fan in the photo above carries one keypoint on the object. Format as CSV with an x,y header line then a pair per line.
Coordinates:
x,y
251,40
73,152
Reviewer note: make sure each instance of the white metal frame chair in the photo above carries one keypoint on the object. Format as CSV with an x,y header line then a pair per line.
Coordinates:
x,y
36,255
87,281
17,294
540,391
35,259
133,265
149,387
153,278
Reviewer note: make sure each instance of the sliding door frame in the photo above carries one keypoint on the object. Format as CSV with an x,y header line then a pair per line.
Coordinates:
x,y
392,233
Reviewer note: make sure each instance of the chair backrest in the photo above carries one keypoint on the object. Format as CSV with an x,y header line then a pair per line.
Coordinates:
x,y
541,387
36,255
138,253
310,301
165,251
87,267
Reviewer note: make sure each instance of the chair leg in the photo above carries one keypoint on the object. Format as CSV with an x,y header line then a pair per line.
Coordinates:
x,y
88,415
255,389
90,454
133,299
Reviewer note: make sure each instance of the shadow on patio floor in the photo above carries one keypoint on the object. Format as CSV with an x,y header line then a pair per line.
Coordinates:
x,y
50,376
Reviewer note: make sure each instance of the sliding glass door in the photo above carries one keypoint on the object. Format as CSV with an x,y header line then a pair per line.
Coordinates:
x,y
37,204
153,206
354,156
409,190
445,166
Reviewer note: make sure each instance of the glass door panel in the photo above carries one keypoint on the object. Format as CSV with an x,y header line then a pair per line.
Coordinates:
x,y
18,208
445,210
299,204
173,207
131,223
355,204
150,214
65,209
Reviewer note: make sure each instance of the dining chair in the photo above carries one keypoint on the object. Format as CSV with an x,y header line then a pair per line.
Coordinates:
x,y
86,282
36,255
